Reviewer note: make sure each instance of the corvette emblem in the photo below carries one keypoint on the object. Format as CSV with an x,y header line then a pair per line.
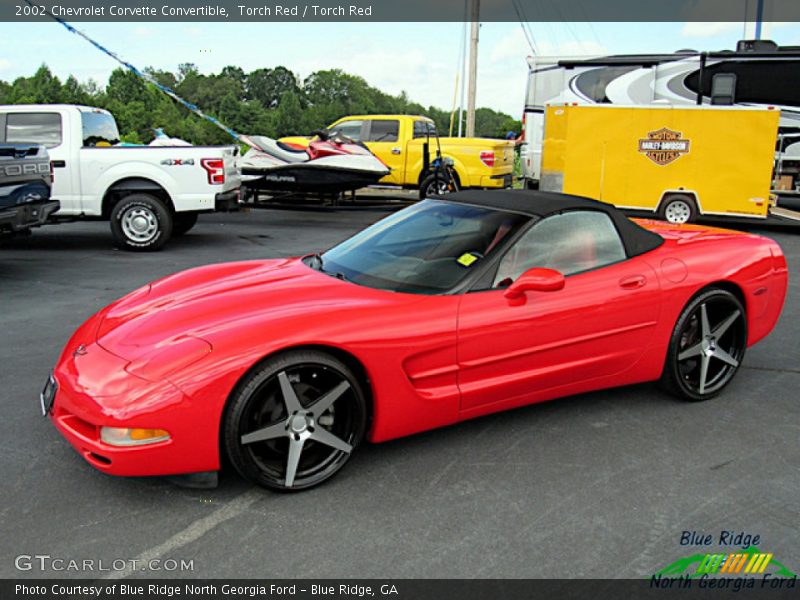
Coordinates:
x,y
663,146
79,351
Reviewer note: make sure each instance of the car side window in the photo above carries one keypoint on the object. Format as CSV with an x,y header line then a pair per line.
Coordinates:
x,y
351,129
384,130
34,128
569,242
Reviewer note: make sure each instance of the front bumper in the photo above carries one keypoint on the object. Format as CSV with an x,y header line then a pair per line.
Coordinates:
x,y
94,390
227,201
24,216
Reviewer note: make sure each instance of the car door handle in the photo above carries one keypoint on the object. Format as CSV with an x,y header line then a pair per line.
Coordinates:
x,y
633,282
395,150
59,164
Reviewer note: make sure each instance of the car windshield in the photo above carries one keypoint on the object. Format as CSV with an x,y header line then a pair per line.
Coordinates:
x,y
428,248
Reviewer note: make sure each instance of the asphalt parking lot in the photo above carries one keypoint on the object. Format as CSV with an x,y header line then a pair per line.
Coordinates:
x,y
600,485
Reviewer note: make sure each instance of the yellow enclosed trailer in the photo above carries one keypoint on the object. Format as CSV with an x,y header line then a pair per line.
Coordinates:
x,y
679,162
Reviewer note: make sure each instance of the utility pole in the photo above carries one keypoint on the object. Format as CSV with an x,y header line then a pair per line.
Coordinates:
x,y
473,68
463,66
759,17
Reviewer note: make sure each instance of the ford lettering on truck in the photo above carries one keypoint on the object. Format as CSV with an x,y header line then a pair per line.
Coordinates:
x,y
25,182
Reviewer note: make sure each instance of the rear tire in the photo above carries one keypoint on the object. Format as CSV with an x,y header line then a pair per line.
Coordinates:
x,y
434,185
140,223
707,346
183,222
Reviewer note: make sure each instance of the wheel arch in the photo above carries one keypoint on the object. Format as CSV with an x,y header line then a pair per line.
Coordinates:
x,y
728,286
459,169
738,291
690,194
134,185
720,284
424,174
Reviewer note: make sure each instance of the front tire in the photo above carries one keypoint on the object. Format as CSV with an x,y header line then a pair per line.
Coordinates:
x,y
295,420
707,346
140,223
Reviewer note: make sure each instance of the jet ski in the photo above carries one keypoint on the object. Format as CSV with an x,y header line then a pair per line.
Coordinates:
x,y
330,165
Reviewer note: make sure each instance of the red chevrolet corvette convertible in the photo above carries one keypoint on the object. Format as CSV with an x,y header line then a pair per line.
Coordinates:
x,y
450,309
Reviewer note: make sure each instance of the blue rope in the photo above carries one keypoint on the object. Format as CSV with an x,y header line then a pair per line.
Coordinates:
x,y
144,76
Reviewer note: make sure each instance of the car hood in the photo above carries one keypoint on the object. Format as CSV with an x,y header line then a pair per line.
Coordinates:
x,y
196,304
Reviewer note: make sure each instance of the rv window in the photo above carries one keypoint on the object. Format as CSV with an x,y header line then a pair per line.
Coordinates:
x,y
383,131
34,128
723,89
546,83
593,83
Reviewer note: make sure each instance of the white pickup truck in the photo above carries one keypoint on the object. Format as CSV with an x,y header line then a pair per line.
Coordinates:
x,y
148,193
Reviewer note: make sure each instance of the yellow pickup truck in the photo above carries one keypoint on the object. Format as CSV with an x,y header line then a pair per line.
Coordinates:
x,y
398,141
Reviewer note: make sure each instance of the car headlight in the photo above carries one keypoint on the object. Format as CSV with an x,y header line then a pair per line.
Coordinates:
x,y
168,357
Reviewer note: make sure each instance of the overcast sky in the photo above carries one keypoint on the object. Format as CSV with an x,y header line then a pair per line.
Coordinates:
x,y
418,58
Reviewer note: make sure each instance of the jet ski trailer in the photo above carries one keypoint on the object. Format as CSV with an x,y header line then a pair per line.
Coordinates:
x,y
330,165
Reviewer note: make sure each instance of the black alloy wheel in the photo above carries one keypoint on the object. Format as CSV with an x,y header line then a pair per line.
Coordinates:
x,y
295,420
707,346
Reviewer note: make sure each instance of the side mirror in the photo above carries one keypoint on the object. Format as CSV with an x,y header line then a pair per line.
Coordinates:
x,y
538,279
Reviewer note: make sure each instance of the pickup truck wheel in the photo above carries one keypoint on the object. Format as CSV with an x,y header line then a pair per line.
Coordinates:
x,y
435,186
183,222
140,223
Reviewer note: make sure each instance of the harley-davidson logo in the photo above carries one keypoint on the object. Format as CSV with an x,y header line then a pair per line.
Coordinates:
x,y
664,146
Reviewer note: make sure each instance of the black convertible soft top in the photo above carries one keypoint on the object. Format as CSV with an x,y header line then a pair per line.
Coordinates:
x,y
636,239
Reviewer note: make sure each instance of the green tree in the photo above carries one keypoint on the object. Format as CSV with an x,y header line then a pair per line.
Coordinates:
x,y
289,116
267,85
270,102
42,88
